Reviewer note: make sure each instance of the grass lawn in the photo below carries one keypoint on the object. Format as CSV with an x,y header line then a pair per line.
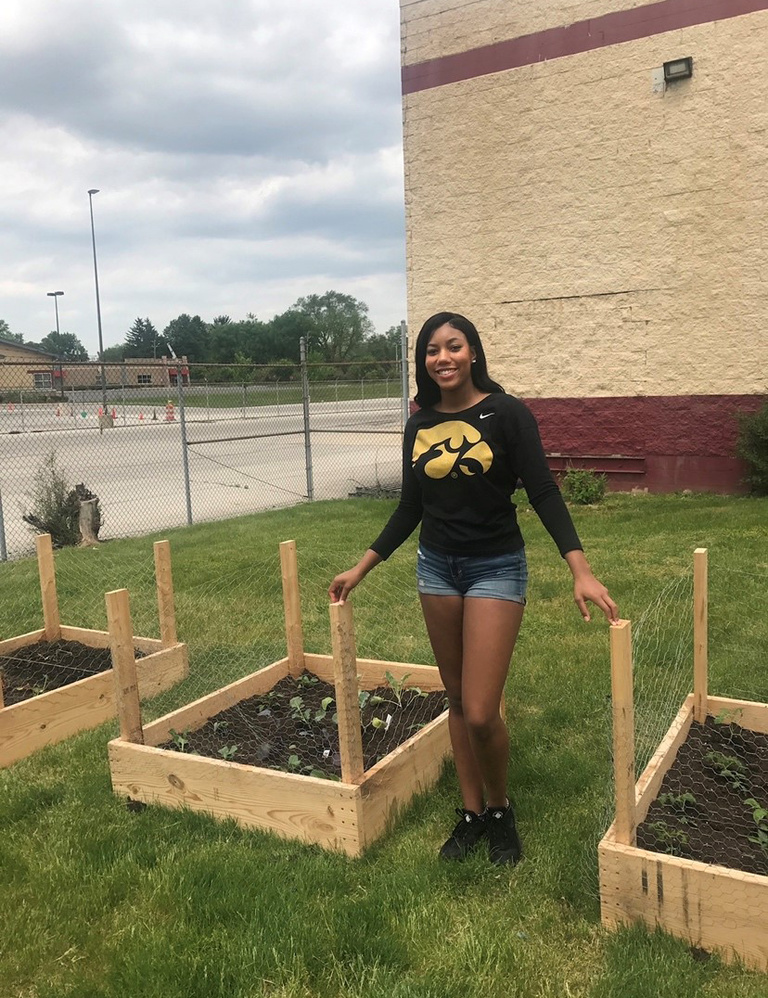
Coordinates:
x,y
97,901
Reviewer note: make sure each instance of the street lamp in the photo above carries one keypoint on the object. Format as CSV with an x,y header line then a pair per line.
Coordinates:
x,y
56,295
95,190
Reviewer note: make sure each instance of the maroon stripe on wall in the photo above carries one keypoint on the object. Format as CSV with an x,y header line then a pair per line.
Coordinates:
x,y
583,36
680,442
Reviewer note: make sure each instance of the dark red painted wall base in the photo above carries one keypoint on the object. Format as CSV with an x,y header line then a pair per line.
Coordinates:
x,y
662,443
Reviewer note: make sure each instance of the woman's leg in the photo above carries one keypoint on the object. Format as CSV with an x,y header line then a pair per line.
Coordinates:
x,y
489,631
444,617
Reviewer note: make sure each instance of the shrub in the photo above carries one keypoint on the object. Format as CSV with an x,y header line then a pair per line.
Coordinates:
x,y
752,447
583,487
56,507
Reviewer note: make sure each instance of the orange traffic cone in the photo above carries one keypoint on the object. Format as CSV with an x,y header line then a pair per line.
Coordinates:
x,y
141,417
169,412
114,413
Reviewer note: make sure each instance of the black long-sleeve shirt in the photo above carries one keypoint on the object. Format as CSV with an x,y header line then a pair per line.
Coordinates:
x,y
459,472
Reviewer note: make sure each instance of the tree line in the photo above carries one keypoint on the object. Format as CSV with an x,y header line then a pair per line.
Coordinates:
x,y
340,338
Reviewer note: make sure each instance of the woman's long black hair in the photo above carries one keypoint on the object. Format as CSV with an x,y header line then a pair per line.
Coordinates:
x,y
427,390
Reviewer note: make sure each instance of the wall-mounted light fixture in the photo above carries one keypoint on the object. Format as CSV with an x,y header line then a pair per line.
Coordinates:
x,y
678,69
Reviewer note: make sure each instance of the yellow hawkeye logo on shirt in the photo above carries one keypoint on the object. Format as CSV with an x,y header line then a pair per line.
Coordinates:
x,y
452,446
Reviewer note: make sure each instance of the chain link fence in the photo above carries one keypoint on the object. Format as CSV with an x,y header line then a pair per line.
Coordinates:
x,y
161,443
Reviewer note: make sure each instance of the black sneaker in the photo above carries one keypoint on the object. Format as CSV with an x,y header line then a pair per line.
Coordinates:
x,y
504,844
464,838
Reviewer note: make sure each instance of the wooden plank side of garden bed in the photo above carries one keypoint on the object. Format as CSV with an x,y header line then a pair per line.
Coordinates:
x,y
412,768
51,717
21,641
711,907
372,672
194,715
322,812
100,639
745,713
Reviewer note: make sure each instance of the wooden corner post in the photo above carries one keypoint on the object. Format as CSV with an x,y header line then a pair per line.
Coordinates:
x,y
700,643
164,583
51,619
623,732
292,602
124,666
347,698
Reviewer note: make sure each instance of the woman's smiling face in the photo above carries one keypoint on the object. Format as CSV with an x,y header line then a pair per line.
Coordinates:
x,y
449,358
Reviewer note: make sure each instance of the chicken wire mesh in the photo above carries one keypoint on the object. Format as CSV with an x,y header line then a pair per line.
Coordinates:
x,y
81,579
235,625
162,445
712,805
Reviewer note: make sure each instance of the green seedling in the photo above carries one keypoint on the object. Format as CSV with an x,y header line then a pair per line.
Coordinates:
x,y
729,716
293,762
671,840
760,818
325,703
180,739
363,697
305,679
683,804
298,711
397,686
228,751
728,768
220,726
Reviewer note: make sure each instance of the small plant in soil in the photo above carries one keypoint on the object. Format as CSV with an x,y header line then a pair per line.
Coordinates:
x,y
298,711
669,840
321,714
684,805
760,818
228,751
728,768
180,739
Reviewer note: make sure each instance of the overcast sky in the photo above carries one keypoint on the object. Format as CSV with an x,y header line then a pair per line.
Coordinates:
x,y
247,153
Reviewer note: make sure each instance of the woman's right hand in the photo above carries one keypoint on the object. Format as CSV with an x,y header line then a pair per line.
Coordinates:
x,y
344,583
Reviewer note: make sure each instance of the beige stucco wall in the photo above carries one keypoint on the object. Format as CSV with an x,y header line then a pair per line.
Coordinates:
x,y
607,239
434,28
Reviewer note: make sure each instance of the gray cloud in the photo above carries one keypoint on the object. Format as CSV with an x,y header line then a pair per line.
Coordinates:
x,y
246,153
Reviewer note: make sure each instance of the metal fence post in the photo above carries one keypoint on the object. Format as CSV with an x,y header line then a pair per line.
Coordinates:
x,y
404,368
184,454
3,548
305,399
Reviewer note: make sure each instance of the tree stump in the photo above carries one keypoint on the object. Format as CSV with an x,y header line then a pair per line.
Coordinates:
x,y
89,522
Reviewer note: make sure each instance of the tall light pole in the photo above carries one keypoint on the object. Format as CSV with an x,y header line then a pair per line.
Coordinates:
x,y
95,190
56,295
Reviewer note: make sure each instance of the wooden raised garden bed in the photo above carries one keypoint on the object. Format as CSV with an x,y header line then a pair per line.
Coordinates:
x,y
711,906
347,815
52,716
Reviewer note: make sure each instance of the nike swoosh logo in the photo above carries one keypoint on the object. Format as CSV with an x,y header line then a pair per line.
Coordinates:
x,y
485,415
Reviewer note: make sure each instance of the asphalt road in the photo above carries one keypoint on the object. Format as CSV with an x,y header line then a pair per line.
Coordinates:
x,y
239,462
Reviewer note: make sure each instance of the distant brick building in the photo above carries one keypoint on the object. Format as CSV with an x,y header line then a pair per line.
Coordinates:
x,y
605,230
24,368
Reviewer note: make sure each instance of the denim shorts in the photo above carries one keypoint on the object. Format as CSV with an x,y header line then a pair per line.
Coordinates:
x,y
495,576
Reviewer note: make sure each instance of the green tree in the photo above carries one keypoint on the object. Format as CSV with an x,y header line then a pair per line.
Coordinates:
x,y
64,346
188,336
143,340
339,324
6,334
115,353
384,346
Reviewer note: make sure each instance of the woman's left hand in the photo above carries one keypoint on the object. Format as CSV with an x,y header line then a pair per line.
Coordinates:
x,y
587,588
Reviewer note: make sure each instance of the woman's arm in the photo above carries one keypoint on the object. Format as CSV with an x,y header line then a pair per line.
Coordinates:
x,y
547,500
399,528
587,587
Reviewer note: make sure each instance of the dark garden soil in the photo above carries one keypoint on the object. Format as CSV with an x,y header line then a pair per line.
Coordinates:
x,y
49,665
293,727
702,810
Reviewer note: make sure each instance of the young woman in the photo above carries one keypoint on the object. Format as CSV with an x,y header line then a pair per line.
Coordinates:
x,y
464,452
